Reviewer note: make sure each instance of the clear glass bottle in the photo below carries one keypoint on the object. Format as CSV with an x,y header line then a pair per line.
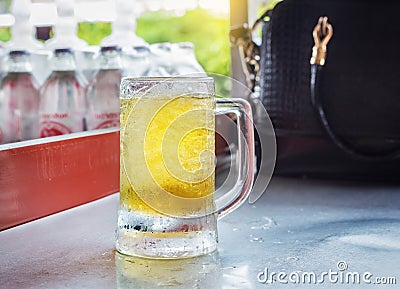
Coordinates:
x,y
103,92
124,27
173,59
185,62
22,31
162,63
66,36
66,28
135,61
23,38
63,104
19,100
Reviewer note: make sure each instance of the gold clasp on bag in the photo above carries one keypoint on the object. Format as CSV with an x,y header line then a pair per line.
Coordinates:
x,y
249,52
322,33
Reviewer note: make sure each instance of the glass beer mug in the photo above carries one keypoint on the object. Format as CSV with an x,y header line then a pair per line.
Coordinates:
x,y
168,207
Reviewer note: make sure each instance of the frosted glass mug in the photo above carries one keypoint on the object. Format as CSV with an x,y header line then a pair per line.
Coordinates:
x,y
168,208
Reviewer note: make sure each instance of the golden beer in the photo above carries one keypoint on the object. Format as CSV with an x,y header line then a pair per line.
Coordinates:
x,y
167,147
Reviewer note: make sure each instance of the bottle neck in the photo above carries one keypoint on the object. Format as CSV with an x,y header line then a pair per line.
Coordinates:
x,y
183,51
19,63
65,35
110,60
65,30
64,62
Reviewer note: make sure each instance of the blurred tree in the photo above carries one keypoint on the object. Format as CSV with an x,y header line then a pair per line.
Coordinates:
x,y
208,33
5,34
5,6
93,33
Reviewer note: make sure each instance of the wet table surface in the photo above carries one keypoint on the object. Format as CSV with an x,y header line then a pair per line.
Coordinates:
x,y
298,230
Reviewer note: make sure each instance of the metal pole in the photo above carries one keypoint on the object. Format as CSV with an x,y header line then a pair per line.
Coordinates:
x,y
238,18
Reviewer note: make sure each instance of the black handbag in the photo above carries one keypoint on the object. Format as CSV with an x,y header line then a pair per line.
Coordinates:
x,y
338,117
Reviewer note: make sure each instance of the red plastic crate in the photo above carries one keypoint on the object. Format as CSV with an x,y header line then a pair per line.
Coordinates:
x,y
44,176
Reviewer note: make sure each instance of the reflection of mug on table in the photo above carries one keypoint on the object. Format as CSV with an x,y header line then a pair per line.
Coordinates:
x,y
167,205
200,272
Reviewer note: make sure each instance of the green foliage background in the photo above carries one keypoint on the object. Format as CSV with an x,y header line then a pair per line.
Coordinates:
x,y
208,32
5,34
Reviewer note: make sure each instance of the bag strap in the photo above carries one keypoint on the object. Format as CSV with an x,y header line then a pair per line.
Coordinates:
x,y
322,33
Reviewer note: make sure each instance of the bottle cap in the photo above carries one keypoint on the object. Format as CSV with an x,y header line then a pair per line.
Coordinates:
x,y
185,45
62,50
18,52
110,48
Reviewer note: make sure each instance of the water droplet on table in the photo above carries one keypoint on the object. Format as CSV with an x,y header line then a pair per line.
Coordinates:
x,y
264,224
256,239
229,267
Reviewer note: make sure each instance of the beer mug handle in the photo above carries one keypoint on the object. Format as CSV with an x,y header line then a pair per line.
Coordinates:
x,y
227,200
